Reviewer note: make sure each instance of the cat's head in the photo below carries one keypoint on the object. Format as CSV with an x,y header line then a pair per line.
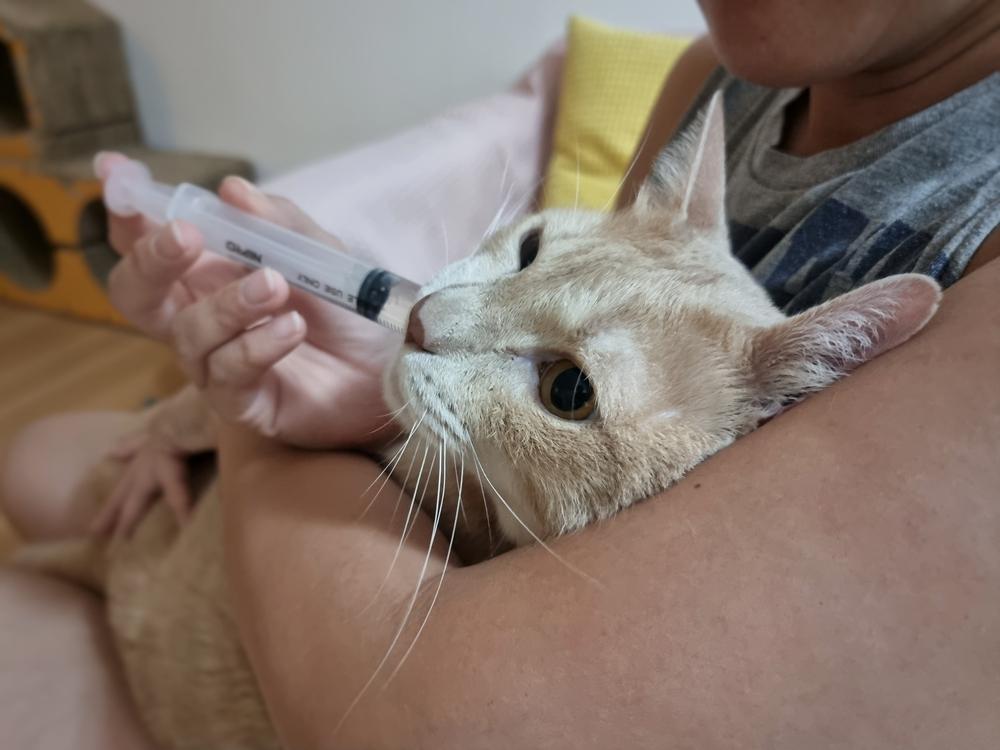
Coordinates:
x,y
589,360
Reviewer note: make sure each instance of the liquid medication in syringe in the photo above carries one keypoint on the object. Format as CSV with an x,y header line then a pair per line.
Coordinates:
x,y
368,290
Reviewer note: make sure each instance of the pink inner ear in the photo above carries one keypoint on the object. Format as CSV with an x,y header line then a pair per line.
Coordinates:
x,y
810,350
909,301
704,193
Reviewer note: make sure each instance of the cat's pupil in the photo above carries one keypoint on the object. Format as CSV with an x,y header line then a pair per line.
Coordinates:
x,y
571,390
529,247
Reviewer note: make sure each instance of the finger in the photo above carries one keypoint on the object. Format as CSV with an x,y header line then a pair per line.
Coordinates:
x,y
105,520
123,231
173,484
204,326
104,161
128,445
248,197
133,509
142,284
242,362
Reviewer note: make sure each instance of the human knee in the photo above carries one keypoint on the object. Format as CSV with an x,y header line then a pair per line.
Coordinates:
x,y
45,463
23,471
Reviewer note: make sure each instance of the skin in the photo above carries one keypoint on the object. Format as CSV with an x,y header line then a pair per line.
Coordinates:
x,y
878,575
279,378
846,600
862,68
854,588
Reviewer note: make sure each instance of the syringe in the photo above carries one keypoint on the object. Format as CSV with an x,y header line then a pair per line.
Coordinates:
x,y
310,265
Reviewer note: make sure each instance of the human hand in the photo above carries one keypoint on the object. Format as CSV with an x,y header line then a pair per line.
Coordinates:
x,y
270,357
154,469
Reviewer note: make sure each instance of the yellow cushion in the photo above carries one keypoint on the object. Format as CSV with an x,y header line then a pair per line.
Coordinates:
x,y
610,83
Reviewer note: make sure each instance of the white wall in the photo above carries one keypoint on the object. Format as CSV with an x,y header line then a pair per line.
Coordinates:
x,y
286,81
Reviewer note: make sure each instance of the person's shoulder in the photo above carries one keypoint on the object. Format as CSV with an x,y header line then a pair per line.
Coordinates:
x,y
692,68
692,77
681,89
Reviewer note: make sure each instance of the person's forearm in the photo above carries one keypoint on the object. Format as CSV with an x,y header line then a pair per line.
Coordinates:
x,y
308,551
830,579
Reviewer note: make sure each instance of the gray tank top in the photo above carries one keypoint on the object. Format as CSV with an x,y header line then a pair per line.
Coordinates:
x,y
919,196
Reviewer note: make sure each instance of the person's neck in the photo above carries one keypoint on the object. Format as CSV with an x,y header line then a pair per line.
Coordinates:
x,y
841,111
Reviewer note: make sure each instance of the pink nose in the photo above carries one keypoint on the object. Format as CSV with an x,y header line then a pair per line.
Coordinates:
x,y
415,329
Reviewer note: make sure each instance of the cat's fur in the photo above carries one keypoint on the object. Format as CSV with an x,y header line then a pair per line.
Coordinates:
x,y
685,352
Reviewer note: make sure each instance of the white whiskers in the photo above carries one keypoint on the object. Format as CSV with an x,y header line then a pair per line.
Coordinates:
x,y
402,486
444,238
502,216
407,525
439,505
390,467
506,195
486,508
444,569
498,217
631,166
525,526
576,199
528,196
392,416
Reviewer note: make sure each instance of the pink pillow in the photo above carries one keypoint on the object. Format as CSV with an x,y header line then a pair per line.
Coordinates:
x,y
426,196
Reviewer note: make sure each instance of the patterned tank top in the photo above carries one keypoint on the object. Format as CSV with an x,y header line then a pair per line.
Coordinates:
x,y
919,196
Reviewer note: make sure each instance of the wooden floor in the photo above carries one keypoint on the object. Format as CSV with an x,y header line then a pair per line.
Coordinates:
x,y
50,364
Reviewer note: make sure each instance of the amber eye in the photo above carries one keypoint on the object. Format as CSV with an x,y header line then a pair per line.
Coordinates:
x,y
566,392
529,247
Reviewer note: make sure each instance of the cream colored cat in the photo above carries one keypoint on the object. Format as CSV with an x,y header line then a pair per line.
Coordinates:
x,y
575,364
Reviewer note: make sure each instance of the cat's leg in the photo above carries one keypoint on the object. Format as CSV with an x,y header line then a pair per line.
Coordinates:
x,y
45,463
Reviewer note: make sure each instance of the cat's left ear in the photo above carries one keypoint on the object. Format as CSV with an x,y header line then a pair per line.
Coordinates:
x,y
688,179
808,351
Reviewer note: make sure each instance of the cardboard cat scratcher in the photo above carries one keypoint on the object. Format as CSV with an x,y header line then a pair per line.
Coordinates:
x,y
64,95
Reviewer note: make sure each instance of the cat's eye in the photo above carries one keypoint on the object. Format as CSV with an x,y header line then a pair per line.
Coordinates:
x,y
566,391
529,247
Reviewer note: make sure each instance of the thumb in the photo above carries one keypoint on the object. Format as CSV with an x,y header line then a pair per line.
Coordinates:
x,y
246,196
123,231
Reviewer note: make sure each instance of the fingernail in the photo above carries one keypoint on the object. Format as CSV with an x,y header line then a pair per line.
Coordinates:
x,y
288,326
258,287
168,250
246,185
184,235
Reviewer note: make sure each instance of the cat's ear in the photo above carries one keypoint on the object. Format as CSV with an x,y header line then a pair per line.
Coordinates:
x,y
808,351
688,179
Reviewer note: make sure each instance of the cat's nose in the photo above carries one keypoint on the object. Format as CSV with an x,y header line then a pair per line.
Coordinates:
x,y
415,329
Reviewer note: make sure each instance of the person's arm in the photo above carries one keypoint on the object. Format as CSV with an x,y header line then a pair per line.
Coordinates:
x,y
830,579
680,88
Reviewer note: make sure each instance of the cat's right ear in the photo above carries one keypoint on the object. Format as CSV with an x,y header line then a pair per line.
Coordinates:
x,y
688,180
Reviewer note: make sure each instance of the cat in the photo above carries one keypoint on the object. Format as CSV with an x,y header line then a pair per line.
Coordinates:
x,y
575,364
585,361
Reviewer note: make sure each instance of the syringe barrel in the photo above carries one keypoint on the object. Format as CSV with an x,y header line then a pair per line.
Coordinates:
x,y
306,263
